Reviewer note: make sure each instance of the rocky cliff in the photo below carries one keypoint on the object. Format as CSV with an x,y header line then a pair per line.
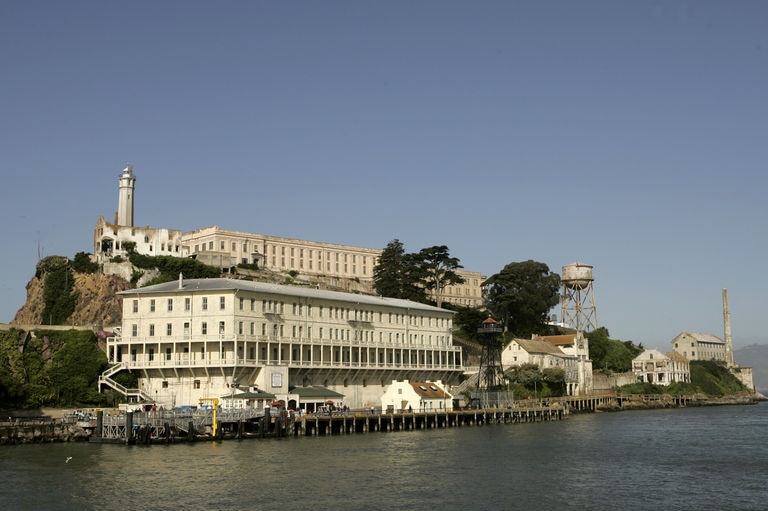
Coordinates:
x,y
98,304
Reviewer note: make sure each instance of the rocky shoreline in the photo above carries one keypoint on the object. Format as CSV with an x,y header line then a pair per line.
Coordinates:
x,y
658,401
42,432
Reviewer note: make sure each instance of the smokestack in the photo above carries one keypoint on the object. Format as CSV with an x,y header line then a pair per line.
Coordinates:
x,y
181,281
727,326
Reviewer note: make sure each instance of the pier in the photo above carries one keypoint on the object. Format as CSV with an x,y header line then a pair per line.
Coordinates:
x,y
173,427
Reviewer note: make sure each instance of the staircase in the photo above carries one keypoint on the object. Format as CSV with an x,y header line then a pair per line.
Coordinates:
x,y
130,394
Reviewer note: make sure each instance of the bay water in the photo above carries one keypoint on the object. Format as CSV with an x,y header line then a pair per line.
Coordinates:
x,y
703,458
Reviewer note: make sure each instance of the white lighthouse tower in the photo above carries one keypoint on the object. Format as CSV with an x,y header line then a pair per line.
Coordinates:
x,y
125,198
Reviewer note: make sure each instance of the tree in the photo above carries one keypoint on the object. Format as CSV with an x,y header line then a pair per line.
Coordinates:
x,y
388,273
82,263
438,270
75,368
468,320
609,354
398,275
521,296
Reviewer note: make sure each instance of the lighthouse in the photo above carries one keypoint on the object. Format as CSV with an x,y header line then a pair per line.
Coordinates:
x,y
125,198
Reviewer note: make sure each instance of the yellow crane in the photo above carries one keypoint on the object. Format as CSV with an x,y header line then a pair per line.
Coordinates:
x,y
214,402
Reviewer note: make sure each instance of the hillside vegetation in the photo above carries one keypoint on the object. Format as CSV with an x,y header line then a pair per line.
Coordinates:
x,y
708,377
50,368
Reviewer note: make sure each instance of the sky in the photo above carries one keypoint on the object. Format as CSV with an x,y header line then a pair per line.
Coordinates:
x,y
630,136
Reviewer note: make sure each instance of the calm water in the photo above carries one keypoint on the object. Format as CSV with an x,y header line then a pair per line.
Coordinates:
x,y
696,458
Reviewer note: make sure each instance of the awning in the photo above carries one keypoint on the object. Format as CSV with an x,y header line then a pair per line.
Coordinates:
x,y
316,394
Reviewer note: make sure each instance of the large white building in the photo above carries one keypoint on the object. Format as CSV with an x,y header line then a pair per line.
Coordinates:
x,y
697,346
226,249
202,338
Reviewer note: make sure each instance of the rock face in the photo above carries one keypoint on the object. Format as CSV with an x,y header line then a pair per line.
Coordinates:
x,y
98,304
99,307
44,432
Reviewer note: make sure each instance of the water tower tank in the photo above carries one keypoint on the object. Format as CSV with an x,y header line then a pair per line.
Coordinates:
x,y
577,275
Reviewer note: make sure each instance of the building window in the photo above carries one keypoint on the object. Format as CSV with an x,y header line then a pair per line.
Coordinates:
x,y
204,328
152,305
240,328
242,302
151,330
187,304
197,384
205,303
222,303
169,329
151,354
170,304
135,306
165,384
167,354
221,327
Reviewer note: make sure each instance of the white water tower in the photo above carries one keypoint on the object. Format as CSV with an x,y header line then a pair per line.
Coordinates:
x,y
578,297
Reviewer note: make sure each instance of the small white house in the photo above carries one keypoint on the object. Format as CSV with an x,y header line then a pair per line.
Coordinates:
x,y
405,396
653,366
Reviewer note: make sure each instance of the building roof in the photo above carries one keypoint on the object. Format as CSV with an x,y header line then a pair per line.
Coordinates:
x,y
316,392
558,340
429,390
651,354
537,346
249,395
185,286
702,337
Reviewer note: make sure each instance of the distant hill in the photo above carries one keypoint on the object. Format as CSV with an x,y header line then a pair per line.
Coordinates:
x,y
756,357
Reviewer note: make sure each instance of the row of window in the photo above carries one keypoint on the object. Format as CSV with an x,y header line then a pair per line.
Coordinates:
x,y
278,307
313,256
298,332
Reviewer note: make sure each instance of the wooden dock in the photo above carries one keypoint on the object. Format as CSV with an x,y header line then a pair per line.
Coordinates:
x,y
171,427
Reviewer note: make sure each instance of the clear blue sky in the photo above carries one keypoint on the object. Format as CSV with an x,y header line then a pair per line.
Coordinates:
x,y
631,136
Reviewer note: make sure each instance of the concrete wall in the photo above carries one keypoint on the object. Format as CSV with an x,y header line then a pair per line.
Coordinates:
x,y
603,382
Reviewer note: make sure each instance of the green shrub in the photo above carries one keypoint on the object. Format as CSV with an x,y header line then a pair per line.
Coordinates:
x,y
83,264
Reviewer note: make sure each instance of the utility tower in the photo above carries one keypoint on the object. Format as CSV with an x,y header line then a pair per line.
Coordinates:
x,y
490,375
578,297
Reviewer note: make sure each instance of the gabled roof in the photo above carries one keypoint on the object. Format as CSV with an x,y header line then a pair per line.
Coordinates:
x,y
537,346
429,390
702,337
558,340
651,354
186,286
